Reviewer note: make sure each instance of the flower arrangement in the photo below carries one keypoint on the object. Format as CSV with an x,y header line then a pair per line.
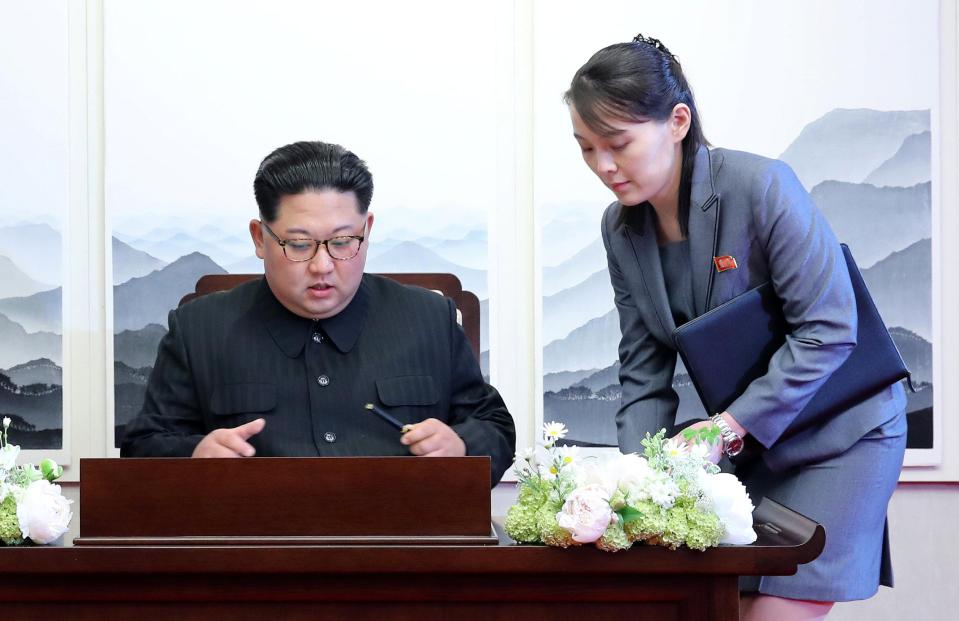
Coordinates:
x,y
31,506
671,496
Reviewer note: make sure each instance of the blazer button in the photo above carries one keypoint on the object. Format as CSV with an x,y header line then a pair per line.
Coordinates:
x,y
323,380
330,437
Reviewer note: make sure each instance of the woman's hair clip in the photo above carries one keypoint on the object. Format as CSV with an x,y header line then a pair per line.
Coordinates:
x,y
656,43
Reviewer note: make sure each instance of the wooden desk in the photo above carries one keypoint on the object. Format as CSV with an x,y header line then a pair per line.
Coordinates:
x,y
505,582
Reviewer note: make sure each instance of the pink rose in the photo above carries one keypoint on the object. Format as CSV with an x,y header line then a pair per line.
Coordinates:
x,y
586,513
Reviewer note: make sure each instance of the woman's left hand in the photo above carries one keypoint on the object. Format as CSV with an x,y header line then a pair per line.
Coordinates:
x,y
715,450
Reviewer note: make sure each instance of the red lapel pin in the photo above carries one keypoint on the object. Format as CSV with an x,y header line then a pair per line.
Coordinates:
x,y
725,263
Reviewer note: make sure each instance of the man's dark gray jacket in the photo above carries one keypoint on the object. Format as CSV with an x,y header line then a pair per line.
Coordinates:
x,y
235,356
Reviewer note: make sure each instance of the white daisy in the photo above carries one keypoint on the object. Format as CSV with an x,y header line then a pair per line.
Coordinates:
x,y
675,449
554,431
568,455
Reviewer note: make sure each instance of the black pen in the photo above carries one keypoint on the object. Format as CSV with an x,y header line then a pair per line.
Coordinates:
x,y
388,418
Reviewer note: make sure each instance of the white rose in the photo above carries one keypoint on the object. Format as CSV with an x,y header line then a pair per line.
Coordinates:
x,y
8,456
731,502
634,476
44,514
594,473
586,513
632,466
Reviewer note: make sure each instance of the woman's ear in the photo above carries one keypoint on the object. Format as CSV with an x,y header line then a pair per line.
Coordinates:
x,y
679,121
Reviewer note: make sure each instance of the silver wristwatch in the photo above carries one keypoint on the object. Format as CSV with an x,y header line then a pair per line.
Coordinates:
x,y
732,442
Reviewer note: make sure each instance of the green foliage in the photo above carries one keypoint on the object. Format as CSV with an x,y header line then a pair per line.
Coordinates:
x,y
709,435
653,450
629,514
24,475
50,470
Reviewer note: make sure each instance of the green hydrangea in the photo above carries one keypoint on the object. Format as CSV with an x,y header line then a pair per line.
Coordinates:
x,y
9,525
532,493
614,539
705,529
677,526
521,524
645,521
550,532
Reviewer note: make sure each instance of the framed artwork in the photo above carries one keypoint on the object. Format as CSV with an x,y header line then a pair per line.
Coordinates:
x,y
34,165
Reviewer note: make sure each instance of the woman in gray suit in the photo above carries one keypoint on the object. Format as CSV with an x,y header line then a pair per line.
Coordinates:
x,y
693,227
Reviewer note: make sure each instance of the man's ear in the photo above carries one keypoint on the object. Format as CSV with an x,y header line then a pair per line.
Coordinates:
x,y
369,223
256,232
680,121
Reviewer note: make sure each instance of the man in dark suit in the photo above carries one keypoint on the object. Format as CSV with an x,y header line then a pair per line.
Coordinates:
x,y
283,365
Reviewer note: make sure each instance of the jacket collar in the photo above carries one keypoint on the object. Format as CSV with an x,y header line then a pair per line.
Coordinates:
x,y
291,332
703,226
639,226
344,328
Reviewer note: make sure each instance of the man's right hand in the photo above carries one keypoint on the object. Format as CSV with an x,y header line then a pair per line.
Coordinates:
x,y
230,442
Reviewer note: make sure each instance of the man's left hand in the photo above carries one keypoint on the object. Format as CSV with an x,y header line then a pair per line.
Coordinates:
x,y
433,438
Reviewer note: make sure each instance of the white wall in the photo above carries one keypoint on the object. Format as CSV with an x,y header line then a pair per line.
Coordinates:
x,y
925,556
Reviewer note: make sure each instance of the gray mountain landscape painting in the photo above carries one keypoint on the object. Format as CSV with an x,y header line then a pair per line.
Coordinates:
x,y
868,171
31,352
31,322
161,266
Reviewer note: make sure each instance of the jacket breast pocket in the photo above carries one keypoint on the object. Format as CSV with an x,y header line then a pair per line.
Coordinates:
x,y
409,390
238,399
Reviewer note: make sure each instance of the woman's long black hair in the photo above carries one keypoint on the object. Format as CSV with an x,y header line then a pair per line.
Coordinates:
x,y
633,81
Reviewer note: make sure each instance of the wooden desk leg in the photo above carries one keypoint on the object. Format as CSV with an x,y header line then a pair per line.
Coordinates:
x,y
724,599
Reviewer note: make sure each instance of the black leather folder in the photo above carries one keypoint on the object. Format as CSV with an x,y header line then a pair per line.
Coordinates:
x,y
728,347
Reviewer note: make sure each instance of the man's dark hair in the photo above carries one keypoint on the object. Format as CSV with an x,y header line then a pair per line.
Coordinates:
x,y
310,167
634,81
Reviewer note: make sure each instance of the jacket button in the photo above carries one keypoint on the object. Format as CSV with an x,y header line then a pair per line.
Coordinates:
x,y
330,437
323,380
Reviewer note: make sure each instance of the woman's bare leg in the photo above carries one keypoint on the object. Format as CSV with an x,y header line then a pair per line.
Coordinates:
x,y
770,608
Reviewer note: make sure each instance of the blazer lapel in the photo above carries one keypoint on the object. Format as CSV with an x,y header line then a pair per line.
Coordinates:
x,y
642,237
703,230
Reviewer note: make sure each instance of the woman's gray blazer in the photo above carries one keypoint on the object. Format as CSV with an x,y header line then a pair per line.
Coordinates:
x,y
755,210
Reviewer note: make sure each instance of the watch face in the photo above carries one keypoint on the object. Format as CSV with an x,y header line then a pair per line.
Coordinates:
x,y
734,446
